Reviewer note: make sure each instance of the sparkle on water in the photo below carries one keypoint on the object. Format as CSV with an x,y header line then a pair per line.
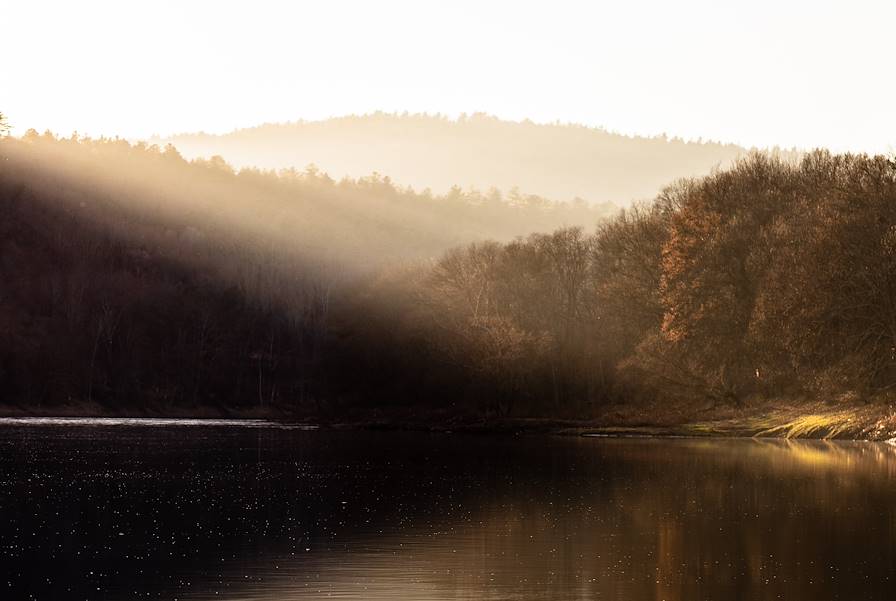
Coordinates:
x,y
147,512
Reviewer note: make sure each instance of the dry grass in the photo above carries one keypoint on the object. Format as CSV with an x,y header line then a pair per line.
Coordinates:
x,y
779,419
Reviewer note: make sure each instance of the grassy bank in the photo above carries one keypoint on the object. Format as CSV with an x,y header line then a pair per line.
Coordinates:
x,y
779,419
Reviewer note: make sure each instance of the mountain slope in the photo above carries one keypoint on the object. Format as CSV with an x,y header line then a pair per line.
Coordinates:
x,y
557,161
132,278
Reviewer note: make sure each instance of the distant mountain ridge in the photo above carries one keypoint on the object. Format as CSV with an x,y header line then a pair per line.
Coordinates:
x,y
557,161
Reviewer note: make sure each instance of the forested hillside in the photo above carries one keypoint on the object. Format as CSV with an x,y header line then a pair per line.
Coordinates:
x,y
133,276
769,280
138,280
363,222
563,162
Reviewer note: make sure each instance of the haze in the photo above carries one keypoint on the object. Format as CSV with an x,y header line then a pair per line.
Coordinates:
x,y
447,300
760,74
559,162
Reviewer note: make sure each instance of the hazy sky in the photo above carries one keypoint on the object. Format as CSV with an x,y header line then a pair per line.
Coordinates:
x,y
759,72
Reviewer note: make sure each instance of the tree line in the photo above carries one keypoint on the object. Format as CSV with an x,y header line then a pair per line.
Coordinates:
x,y
557,160
772,279
133,277
137,280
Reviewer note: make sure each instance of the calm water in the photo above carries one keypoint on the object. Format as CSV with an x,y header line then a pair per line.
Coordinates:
x,y
92,511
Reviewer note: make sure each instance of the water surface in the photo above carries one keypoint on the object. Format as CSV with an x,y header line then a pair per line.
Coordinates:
x,y
99,511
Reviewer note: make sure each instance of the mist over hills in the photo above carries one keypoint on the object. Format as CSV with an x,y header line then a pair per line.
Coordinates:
x,y
557,161
136,280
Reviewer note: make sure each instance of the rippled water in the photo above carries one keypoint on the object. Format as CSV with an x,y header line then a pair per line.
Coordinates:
x,y
97,511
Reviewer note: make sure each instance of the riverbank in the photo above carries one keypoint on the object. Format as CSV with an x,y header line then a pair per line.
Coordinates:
x,y
93,409
774,419
876,422
813,420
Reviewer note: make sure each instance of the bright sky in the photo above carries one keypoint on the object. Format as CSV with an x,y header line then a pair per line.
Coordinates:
x,y
759,72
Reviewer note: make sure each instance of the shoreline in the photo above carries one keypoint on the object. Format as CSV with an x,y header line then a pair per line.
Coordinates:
x,y
819,420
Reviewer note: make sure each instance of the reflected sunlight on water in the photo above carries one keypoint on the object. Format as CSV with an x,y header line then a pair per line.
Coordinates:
x,y
262,514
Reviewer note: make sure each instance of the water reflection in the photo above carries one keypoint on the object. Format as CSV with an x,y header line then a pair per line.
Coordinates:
x,y
112,513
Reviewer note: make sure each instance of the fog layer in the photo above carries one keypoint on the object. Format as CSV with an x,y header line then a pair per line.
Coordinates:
x,y
557,161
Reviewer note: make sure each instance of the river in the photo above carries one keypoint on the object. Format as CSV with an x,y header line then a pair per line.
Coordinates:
x,y
170,510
